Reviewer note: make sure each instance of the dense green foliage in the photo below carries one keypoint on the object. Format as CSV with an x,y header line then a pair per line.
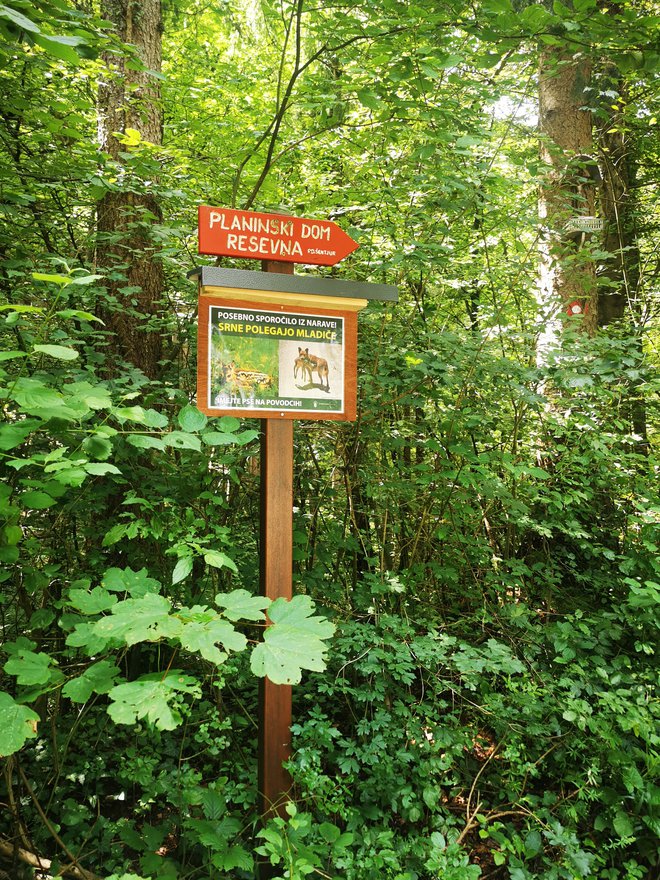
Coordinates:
x,y
481,545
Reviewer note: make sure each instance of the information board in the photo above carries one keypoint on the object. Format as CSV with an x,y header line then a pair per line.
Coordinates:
x,y
276,361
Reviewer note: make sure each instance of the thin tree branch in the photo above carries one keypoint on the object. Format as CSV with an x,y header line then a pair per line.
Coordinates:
x,y
41,864
273,129
74,868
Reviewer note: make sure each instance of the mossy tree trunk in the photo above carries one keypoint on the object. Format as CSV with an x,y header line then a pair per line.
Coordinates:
x,y
129,103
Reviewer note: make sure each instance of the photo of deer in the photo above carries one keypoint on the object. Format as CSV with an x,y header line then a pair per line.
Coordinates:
x,y
311,370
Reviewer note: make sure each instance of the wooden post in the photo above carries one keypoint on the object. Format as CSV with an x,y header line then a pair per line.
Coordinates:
x,y
276,579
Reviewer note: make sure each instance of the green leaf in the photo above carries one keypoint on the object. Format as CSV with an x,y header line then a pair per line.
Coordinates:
x,y
222,438
82,280
70,476
42,618
191,419
17,724
214,804
139,620
12,435
438,839
124,877
9,555
93,396
78,313
136,583
146,441
38,399
533,844
214,833
96,679
10,355
93,602
116,533
13,535
218,559
62,280
85,636
182,440
21,309
204,636
149,698
99,469
623,825
149,417
61,352
182,569
17,18
241,605
218,438
28,667
35,500
369,99
632,779
329,832
59,47
229,424
34,395
97,446
294,642
234,857
155,419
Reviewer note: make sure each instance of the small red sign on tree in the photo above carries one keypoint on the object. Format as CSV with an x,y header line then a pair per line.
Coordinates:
x,y
575,307
224,232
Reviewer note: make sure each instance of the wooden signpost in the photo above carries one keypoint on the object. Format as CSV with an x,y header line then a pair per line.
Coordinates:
x,y
226,232
278,347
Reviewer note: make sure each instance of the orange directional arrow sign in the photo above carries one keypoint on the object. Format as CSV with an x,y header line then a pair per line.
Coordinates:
x,y
225,232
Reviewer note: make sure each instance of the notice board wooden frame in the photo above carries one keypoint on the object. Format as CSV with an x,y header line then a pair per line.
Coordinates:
x,y
345,308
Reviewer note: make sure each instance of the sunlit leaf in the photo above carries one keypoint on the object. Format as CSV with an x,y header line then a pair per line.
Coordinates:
x,y
182,440
136,583
150,698
241,605
139,620
21,21
191,419
17,724
294,642
93,602
96,679
61,352
205,637
218,559
182,569
29,667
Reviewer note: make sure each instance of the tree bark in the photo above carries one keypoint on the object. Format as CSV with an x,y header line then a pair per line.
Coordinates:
x,y
618,206
130,99
569,192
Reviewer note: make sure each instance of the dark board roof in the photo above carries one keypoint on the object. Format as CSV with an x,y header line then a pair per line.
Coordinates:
x,y
213,276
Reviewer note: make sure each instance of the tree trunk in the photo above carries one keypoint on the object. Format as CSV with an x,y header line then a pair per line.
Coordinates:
x,y
130,100
568,279
618,295
618,206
